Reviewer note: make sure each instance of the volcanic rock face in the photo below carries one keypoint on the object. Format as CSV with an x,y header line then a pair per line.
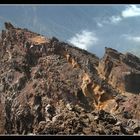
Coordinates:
x,y
50,87
122,71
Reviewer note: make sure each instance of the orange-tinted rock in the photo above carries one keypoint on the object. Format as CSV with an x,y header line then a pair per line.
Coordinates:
x,y
122,71
51,87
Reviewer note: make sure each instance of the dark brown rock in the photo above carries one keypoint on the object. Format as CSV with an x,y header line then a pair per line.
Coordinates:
x,y
8,25
134,124
48,87
105,116
127,130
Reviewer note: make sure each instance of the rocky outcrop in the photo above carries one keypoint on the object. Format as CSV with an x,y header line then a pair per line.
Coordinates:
x,y
50,87
121,70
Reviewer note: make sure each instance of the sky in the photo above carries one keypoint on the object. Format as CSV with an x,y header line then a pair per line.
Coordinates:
x,y
89,27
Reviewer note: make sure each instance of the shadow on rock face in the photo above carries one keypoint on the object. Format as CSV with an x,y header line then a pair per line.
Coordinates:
x,y
84,101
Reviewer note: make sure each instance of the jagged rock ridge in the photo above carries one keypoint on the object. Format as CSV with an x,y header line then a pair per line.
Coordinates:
x,y
122,71
51,87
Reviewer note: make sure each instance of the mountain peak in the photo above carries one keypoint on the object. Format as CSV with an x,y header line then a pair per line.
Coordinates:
x,y
8,25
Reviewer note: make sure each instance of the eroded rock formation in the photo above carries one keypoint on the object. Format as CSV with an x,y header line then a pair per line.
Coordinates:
x,y
121,70
51,87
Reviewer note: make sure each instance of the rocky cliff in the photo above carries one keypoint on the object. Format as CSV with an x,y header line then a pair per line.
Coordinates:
x,y
50,87
122,71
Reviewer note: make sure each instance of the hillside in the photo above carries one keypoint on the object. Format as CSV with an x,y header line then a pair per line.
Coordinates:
x,y
52,88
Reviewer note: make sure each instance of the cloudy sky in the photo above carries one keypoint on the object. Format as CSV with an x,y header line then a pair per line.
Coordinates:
x,y
90,27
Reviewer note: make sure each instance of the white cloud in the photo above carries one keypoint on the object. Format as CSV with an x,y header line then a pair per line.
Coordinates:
x,y
84,39
115,19
131,11
110,20
99,24
132,38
